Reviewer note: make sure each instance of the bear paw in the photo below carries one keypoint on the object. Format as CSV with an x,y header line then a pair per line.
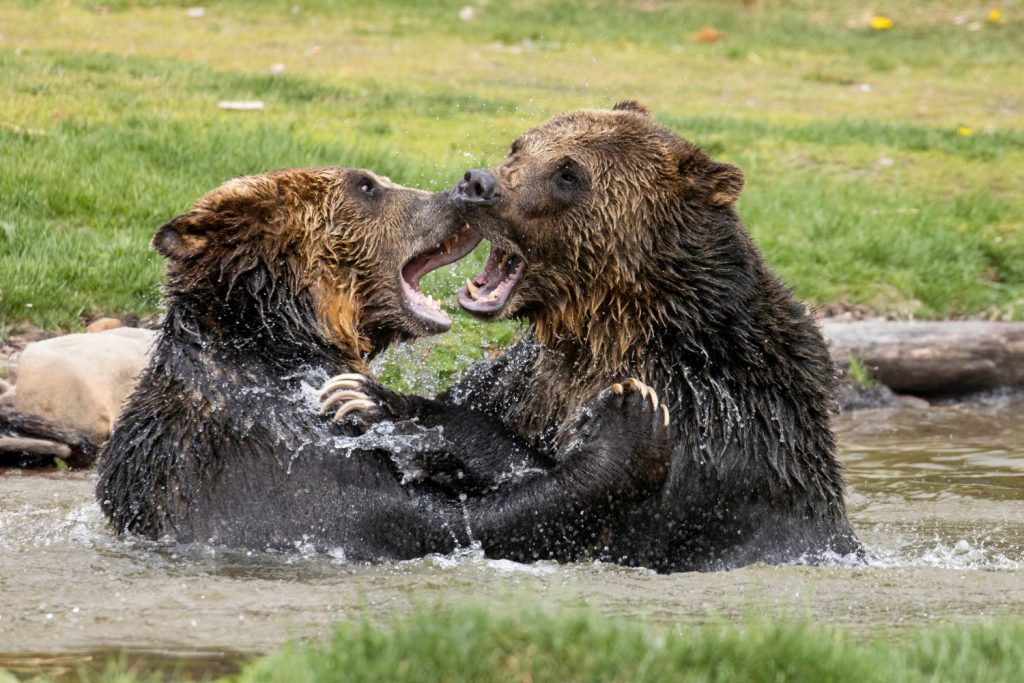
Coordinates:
x,y
361,397
633,385
350,390
625,438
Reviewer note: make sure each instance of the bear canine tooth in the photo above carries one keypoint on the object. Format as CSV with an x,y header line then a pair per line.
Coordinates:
x,y
472,289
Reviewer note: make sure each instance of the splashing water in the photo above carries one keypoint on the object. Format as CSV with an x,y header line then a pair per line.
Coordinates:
x,y
937,496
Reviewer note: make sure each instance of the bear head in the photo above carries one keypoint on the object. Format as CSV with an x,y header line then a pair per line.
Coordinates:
x,y
597,212
331,256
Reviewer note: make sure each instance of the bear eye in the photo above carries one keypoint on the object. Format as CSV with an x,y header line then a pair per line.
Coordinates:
x,y
367,187
567,175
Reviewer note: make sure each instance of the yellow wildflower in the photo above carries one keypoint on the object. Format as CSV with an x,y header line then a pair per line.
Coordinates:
x,y
964,132
994,15
880,23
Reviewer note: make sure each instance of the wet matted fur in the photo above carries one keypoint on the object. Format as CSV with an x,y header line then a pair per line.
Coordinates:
x,y
619,242
273,283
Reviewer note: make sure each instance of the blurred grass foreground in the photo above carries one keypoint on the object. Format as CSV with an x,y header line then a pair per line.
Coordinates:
x,y
473,644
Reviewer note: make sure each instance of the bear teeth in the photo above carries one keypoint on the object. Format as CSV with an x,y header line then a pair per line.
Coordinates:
x,y
449,244
474,292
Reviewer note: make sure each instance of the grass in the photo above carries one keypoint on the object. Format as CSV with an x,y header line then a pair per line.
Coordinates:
x,y
468,644
860,189
882,170
859,374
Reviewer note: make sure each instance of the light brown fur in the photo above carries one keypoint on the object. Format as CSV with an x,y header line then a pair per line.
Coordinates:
x,y
296,225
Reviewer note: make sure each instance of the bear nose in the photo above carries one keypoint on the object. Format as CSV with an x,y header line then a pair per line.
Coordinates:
x,y
477,186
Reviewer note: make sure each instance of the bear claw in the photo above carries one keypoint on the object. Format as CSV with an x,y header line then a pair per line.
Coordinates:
x,y
349,390
343,395
352,406
646,391
348,380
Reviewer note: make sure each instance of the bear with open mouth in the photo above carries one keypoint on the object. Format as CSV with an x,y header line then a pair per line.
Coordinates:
x,y
277,281
619,242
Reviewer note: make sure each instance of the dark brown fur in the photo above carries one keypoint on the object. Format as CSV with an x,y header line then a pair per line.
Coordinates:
x,y
274,283
296,235
637,265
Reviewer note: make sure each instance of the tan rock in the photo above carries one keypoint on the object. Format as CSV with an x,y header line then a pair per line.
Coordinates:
x,y
79,381
103,324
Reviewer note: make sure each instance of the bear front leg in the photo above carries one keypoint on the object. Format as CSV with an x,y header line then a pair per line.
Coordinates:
x,y
479,453
621,454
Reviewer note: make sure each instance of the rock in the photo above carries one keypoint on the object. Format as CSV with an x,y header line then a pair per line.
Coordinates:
x,y
945,358
79,381
914,402
849,396
103,324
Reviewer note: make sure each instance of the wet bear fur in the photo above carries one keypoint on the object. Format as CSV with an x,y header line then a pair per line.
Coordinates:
x,y
274,283
637,264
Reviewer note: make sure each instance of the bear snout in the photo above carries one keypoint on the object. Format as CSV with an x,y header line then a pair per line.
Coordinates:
x,y
478,186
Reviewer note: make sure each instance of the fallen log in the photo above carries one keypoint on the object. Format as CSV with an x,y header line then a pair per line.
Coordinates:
x,y
26,446
30,441
936,358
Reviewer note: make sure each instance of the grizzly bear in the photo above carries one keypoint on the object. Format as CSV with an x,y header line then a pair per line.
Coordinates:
x,y
619,242
277,281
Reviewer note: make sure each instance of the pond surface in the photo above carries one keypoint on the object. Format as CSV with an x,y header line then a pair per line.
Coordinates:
x,y
937,495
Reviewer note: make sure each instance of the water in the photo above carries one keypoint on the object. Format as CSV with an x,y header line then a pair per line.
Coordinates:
x,y
937,495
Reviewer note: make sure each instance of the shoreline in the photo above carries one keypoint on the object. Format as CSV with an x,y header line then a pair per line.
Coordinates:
x,y
880,363
888,363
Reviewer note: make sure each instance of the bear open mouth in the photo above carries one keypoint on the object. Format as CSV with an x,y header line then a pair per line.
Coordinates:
x,y
489,291
421,305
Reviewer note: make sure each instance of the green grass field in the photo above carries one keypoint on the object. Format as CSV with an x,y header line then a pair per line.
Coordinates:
x,y
860,189
883,169
480,646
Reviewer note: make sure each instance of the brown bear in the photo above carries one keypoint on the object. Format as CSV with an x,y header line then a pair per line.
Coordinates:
x,y
619,242
275,282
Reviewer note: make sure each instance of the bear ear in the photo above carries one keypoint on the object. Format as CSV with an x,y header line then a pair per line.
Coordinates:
x,y
631,105
725,182
174,239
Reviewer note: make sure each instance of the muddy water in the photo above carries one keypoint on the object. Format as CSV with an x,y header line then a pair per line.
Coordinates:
x,y
937,495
